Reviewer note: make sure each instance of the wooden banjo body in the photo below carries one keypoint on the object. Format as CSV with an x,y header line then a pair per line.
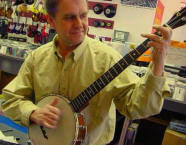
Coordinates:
x,y
70,129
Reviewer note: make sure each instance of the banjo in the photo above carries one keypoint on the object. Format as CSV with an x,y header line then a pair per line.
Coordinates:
x,y
71,128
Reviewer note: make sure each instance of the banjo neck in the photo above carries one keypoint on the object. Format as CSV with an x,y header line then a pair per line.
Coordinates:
x,y
81,101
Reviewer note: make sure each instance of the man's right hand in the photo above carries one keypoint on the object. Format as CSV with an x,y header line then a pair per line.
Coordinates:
x,y
47,116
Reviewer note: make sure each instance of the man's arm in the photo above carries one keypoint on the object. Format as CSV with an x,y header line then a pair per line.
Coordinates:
x,y
160,45
19,98
19,95
144,97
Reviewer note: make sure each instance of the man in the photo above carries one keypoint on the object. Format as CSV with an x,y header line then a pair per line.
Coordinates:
x,y
70,63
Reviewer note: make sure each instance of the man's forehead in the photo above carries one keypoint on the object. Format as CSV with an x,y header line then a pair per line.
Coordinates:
x,y
72,9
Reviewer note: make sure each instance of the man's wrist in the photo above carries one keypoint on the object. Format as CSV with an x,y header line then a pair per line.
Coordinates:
x,y
32,117
157,70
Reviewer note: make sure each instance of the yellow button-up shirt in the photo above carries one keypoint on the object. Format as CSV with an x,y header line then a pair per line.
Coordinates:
x,y
45,71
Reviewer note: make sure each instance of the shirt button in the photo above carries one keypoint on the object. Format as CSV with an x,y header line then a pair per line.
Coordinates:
x,y
63,90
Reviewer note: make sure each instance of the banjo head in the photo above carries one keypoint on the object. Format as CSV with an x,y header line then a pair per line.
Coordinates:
x,y
65,132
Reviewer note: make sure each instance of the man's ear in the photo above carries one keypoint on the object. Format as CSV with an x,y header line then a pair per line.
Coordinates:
x,y
50,20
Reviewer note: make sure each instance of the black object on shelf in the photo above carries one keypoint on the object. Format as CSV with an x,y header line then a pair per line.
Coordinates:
x,y
98,9
182,72
3,28
28,2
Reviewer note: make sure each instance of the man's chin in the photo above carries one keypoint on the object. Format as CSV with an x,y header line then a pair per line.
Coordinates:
x,y
76,42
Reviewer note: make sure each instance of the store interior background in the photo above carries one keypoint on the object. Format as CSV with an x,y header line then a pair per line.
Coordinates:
x,y
137,20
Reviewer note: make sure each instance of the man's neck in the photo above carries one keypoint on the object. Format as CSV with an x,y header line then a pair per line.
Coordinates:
x,y
64,50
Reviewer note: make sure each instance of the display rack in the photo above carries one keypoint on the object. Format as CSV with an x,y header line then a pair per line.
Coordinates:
x,y
10,64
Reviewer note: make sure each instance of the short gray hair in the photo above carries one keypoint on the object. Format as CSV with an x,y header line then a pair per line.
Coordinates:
x,y
51,6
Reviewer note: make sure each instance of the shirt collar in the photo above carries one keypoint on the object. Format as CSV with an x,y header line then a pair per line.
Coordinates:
x,y
80,49
76,53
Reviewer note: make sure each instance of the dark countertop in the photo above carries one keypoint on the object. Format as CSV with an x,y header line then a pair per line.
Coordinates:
x,y
175,105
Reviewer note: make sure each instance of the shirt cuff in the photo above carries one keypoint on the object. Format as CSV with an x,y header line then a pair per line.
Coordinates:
x,y
158,83
28,108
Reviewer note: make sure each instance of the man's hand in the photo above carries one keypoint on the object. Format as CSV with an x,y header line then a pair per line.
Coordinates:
x,y
47,116
160,45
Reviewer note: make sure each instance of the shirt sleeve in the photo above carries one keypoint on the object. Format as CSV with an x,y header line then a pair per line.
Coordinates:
x,y
140,97
19,96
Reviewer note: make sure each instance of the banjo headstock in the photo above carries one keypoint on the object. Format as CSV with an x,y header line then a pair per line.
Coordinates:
x,y
178,19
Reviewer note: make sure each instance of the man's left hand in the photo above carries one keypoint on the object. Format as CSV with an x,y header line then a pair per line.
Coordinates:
x,y
160,45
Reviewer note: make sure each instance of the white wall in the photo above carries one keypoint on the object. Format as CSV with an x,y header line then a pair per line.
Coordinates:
x,y
137,20
131,19
171,6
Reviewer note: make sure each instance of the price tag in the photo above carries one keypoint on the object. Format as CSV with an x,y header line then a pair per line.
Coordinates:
x,y
29,21
3,49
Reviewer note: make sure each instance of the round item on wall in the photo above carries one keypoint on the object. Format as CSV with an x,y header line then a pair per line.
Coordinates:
x,y
102,24
110,11
96,23
98,9
109,24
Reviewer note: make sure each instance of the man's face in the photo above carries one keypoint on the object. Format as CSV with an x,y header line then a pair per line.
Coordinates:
x,y
71,21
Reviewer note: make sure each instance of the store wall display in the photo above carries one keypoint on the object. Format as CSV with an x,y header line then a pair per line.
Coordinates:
x,y
98,8
16,49
120,36
107,24
110,11
101,18
108,8
22,16
101,38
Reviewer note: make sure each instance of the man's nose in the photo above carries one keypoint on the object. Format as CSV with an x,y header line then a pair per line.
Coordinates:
x,y
78,22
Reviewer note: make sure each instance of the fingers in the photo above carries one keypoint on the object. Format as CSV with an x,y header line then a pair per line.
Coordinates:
x,y
154,44
53,110
47,116
49,123
49,120
153,37
54,102
51,115
164,31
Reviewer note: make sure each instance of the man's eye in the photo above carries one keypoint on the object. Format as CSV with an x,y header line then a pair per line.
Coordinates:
x,y
83,15
70,18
